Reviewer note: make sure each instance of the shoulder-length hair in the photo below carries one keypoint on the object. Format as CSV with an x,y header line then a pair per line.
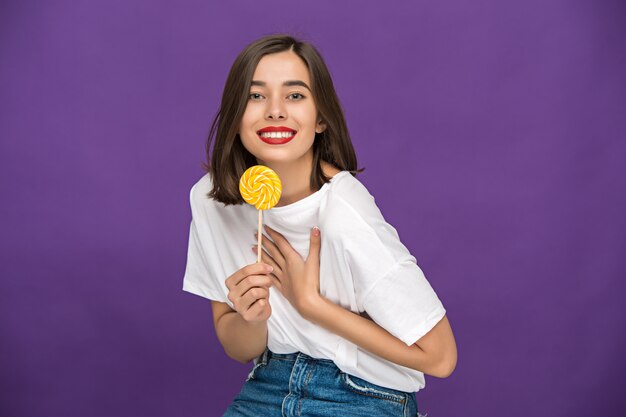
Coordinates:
x,y
228,159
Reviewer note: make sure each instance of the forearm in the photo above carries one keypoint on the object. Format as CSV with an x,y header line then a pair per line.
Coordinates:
x,y
242,340
371,337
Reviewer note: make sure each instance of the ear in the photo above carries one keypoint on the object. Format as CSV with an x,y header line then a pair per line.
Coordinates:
x,y
321,126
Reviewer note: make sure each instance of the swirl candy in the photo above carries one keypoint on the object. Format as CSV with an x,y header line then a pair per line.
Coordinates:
x,y
260,187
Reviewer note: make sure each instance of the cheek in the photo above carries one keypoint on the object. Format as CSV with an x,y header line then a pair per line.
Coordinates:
x,y
252,113
309,115
247,140
247,126
245,133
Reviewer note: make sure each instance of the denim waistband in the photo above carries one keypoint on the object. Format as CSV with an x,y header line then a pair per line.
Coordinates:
x,y
290,383
267,354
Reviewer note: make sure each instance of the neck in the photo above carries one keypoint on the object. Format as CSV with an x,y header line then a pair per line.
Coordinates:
x,y
295,177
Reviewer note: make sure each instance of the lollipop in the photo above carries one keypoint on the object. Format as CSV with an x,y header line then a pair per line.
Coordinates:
x,y
260,187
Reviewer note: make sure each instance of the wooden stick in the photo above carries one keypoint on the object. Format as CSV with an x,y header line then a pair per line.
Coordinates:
x,y
258,255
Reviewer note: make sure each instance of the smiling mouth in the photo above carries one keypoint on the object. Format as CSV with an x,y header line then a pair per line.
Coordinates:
x,y
276,138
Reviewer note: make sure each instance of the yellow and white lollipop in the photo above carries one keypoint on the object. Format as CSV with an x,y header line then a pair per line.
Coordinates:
x,y
260,187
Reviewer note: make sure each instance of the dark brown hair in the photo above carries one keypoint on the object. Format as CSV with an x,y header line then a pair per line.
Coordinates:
x,y
228,159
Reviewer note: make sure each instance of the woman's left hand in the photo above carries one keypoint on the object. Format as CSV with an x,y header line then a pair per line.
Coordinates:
x,y
298,279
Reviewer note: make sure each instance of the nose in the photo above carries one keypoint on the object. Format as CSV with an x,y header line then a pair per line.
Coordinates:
x,y
275,109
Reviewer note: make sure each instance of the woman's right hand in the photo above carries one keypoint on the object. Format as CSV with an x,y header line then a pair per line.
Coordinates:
x,y
248,290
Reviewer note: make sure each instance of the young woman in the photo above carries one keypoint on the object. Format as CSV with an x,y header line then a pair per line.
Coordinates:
x,y
338,317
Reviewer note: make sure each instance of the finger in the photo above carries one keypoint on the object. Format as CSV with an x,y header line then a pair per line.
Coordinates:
x,y
248,270
282,243
277,282
268,259
260,310
273,250
237,292
314,246
241,274
255,281
251,296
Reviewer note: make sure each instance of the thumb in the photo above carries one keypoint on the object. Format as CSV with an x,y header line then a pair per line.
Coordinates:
x,y
314,247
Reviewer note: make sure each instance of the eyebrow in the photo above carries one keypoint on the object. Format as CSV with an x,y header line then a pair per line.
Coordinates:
x,y
289,83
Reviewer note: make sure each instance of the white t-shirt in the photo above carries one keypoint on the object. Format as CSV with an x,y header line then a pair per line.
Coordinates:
x,y
363,267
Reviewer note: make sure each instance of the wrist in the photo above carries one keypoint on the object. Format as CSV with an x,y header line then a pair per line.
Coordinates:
x,y
257,325
314,307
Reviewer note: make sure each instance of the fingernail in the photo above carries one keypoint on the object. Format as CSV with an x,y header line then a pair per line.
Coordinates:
x,y
316,231
270,268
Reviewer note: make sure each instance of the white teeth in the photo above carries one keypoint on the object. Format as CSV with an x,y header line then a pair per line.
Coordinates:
x,y
276,134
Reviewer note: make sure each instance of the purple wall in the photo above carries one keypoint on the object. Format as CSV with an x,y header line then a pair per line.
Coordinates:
x,y
494,140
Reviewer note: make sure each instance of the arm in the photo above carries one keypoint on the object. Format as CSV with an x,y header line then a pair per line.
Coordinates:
x,y
241,340
243,332
433,354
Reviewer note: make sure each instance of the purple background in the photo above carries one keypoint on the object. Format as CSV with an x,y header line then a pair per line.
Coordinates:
x,y
493,137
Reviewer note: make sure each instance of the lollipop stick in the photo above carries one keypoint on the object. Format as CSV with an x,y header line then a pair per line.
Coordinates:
x,y
258,254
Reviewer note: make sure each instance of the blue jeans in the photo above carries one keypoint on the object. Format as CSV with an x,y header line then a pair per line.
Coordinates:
x,y
294,384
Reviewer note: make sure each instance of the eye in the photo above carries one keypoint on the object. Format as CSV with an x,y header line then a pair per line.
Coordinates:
x,y
253,96
297,94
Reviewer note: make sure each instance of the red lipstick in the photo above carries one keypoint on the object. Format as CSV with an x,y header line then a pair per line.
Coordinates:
x,y
276,141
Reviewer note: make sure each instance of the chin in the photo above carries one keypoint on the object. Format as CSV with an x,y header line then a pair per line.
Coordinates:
x,y
278,157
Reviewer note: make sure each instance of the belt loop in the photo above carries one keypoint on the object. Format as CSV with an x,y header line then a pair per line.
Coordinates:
x,y
266,355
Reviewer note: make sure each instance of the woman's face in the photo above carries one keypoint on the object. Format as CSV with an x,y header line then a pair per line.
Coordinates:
x,y
280,98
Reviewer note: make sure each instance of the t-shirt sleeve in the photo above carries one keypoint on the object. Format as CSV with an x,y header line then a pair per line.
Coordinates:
x,y
389,285
203,277
403,302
